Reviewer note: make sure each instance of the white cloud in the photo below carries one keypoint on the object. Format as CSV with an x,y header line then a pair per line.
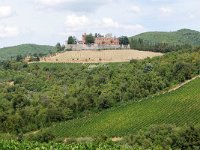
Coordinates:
x,y
135,9
53,2
75,22
8,31
73,5
133,27
5,11
60,2
191,16
165,11
109,23
80,24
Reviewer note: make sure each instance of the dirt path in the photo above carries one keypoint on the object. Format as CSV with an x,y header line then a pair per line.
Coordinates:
x,y
182,84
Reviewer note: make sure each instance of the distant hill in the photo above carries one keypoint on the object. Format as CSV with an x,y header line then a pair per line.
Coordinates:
x,y
25,49
183,36
166,41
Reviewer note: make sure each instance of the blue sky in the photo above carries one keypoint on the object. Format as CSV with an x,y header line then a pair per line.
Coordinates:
x,y
52,21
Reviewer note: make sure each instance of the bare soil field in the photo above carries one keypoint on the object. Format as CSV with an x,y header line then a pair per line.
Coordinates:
x,y
96,56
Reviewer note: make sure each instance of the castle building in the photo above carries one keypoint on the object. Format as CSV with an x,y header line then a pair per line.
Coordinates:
x,y
106,41
103,40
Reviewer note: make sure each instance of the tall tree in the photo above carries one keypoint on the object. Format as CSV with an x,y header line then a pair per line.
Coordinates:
x,y
89,39
71,40
123,40
58,47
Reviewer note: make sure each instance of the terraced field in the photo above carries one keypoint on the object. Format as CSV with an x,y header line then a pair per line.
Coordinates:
x,y
178,107
95,56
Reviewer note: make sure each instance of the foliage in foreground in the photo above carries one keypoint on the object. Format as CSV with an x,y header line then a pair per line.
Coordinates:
x,y
157,137
14,145
167,137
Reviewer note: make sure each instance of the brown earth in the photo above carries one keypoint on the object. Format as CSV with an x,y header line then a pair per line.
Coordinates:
x,y
96,56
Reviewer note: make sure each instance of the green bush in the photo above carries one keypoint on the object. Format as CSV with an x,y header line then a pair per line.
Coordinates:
x,y
42,136
167,137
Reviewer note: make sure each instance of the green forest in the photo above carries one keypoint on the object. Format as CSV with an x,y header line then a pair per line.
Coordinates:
x,y
166,41
24,50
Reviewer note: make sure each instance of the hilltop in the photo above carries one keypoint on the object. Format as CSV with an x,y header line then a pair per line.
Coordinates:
x,y
25,49
183,36
166,41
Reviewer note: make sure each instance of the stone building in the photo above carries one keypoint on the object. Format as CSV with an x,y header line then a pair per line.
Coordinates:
x,y
103,40
106,41
100,43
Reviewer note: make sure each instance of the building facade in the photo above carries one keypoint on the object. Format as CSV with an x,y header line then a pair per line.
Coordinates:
x,y
103,40
100,43
106,41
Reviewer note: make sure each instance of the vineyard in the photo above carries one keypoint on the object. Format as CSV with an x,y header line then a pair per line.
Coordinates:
x,y
178,107
95,56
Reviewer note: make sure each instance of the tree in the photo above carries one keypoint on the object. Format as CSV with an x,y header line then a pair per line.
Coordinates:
x,y
60,48
123,40
148,68
71,40
89,39
6,65
183,71
19,58
63,47
96,35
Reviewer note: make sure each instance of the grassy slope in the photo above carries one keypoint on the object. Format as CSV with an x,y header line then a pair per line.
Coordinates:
x,y
178,107
24,49
183,36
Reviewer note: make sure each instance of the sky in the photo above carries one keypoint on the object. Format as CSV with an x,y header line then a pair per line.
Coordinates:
x,y
47,22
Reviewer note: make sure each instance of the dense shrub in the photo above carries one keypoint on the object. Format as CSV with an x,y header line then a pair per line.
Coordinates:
x,y
42,136
166,137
